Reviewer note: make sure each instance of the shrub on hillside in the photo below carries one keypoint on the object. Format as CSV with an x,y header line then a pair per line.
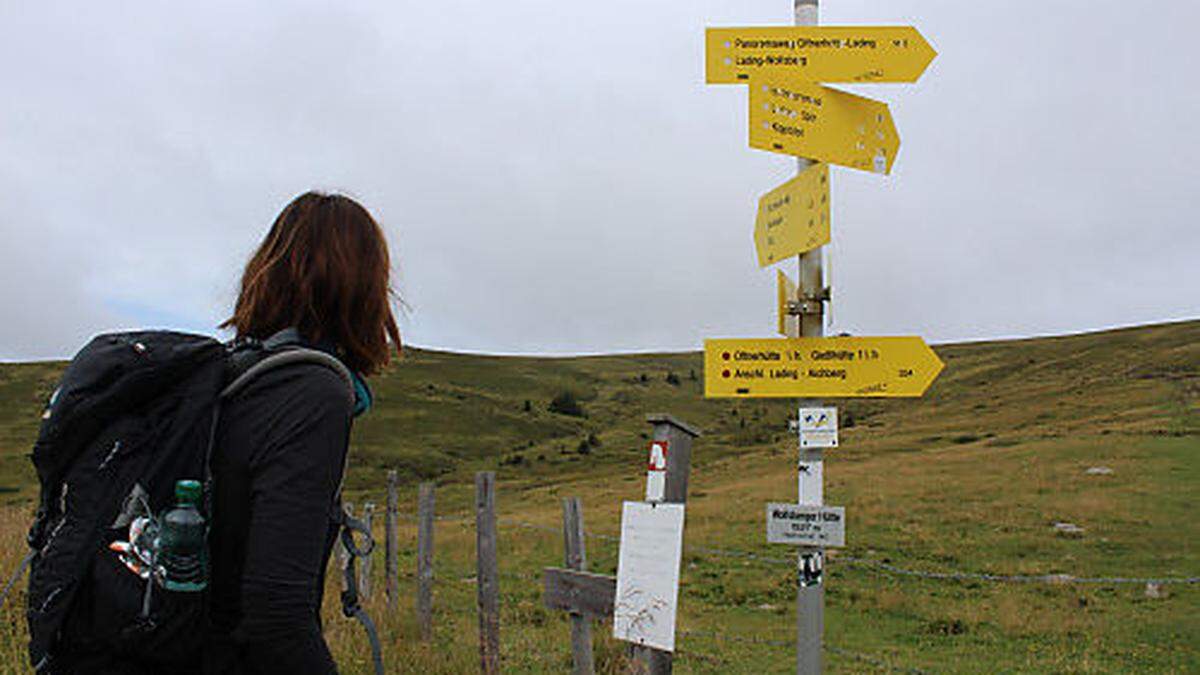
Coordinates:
x,y
566,404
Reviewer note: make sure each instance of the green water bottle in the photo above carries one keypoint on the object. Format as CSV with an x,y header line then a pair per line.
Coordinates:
x,y
182,550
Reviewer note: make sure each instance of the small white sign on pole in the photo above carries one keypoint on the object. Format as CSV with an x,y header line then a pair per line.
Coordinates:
x,y
648,574
818,428
656,472
811,482
806,525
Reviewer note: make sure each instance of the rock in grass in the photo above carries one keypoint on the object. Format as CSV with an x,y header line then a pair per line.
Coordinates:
x,y
1156,591
1099,471
1068,529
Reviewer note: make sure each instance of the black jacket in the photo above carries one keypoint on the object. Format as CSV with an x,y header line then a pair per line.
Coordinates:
x,y
277,471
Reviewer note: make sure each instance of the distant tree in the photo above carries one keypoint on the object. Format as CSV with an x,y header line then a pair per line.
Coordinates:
x,y
692,374
673,379
584,448
593,440
528,405
566,404
643,379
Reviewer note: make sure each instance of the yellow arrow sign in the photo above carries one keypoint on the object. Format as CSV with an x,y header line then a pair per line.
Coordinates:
x,y
816,53
808,120
794,217
819,367
785,292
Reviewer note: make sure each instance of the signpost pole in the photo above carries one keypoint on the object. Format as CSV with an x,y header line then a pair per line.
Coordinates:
x,y
810,597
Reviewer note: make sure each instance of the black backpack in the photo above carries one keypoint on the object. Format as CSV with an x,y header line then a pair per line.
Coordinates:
x,y
134,413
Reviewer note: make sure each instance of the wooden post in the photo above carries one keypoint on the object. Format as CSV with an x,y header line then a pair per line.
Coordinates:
x,y
575,557
364,570
487,589
678,436
585,593
425,509
391,563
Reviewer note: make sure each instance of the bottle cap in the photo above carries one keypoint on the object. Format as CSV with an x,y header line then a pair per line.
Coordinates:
x,y
187,491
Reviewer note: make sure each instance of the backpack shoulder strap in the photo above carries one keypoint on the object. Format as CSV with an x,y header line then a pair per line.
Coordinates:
x,y
288,356
281,357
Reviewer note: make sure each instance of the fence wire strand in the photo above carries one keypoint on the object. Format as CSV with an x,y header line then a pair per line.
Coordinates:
x,y
894,569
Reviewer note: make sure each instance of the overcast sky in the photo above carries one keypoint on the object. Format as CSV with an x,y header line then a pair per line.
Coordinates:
x,y
555,177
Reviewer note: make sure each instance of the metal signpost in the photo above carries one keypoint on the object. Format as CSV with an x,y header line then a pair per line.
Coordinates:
x,y
794,217
810,53
815,366
791,112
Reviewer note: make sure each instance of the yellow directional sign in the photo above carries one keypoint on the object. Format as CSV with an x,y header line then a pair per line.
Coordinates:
x,y
819,367
808,120
794,217
785,292
816,53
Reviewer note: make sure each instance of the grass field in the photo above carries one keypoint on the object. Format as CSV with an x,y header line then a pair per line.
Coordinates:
x,y
969,478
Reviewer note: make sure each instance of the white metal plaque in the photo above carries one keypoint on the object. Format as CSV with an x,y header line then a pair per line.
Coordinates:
x,y
648,574
806,525
818,428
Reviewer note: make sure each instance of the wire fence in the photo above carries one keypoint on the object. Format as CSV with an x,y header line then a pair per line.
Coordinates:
x,y
781,643
894,569
954,575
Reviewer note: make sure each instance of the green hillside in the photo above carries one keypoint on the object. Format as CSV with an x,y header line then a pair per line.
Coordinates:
x,y
445,415
970,478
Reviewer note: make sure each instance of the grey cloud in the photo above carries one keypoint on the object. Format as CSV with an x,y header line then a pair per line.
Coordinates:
x,y
555,177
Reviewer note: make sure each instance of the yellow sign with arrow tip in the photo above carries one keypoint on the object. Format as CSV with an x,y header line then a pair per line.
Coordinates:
x,y
828,125
819,367
794,217
785,292
816,53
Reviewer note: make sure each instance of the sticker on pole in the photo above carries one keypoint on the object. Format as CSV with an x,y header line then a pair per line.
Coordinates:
x,y
818,428
806,525
656,472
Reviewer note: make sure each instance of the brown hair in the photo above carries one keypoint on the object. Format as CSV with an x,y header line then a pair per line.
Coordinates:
x,y
324,269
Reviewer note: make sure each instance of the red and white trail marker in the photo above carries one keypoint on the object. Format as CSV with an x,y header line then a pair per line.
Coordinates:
x,y
656,472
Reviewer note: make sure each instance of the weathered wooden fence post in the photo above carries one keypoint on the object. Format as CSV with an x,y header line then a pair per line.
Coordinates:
x,y
425,518
391,564
364,571
487,571
575,554
678,436
572,589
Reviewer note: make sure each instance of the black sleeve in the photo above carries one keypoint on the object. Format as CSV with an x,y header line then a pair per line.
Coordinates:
x,y
294,475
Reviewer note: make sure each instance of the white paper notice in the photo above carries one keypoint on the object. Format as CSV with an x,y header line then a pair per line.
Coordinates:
x,y
648,574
